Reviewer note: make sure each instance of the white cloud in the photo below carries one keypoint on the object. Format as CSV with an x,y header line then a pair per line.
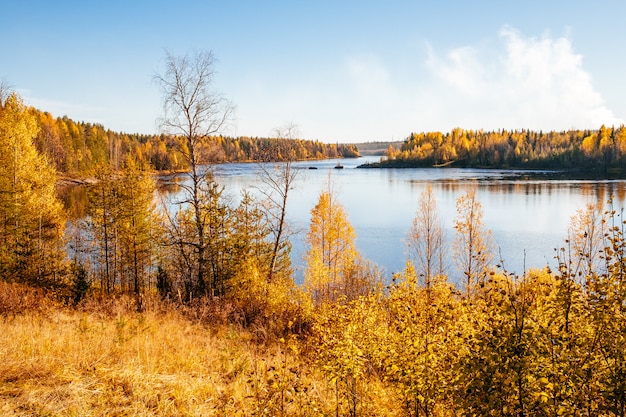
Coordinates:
x,y
462,71
524,82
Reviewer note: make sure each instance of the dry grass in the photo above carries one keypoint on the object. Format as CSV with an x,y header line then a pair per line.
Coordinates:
x,y
71,363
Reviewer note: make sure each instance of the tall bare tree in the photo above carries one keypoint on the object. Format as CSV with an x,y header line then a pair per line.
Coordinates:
x,y
278,180
194,111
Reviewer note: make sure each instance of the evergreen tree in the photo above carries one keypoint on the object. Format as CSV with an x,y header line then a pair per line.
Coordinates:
x,y
136,222
102,211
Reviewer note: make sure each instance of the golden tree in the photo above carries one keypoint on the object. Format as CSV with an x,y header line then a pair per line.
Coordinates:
x,y
607,301
425,240
502,372
31,217
349,337
423,343
473,247
334,267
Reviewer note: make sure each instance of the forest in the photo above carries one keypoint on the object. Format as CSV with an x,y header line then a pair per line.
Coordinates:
x,y
142,310
76,149
601,151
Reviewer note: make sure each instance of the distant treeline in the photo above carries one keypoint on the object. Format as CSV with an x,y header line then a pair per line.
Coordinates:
x,y
601,149
76,148
377,148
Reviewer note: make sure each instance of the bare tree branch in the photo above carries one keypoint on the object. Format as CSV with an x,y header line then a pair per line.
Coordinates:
x,y
193,110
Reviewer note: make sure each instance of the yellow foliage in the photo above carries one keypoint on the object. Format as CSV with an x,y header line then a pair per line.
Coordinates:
x,y
332,258
32,216
274,307
590,145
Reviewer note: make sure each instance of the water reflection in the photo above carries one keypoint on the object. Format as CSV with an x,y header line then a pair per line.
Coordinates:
x,y
170,184
74,199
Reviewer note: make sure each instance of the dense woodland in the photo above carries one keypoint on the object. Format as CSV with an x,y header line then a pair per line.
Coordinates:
x,y
78,148
191,309
599,150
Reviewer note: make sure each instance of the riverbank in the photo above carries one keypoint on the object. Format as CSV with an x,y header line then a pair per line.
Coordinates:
x,y
68,181
560,173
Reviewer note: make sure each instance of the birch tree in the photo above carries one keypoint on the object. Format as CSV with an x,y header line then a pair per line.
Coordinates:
x,y
194,111
334,266
278,180
425,240
473,247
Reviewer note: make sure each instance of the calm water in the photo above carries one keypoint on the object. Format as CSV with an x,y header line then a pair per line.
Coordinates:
x,y
528,213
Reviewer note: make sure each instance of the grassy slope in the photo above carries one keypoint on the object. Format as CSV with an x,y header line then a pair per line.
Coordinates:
x,y
105,359
71,363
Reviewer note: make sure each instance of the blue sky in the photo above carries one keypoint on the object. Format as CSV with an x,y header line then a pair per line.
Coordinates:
x,y
342,71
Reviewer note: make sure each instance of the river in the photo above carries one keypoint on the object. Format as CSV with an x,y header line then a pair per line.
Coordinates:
x,y
527,212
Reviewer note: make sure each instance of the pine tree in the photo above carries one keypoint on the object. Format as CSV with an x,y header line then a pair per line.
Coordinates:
x,y
102,211
136,222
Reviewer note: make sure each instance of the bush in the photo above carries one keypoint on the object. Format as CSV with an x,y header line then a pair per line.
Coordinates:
x,y
18,299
